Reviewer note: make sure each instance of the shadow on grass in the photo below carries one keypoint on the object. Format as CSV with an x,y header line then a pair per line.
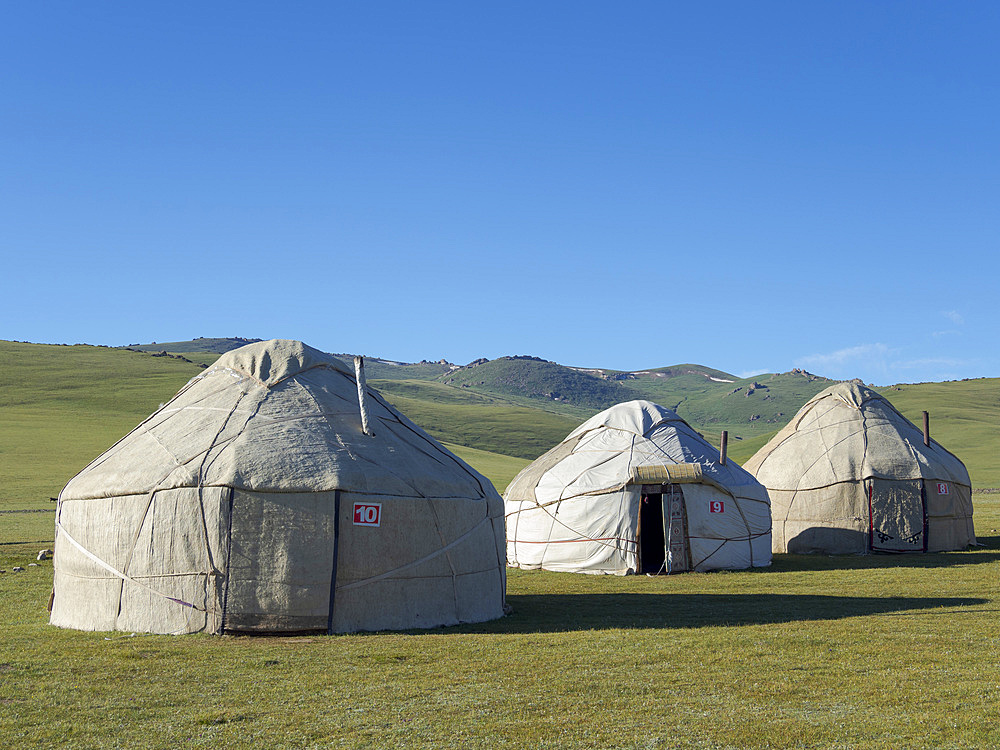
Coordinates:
x,y
545,613
988,551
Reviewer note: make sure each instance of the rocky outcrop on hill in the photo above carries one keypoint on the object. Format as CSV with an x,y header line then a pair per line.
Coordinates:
x,y
165,354
804,373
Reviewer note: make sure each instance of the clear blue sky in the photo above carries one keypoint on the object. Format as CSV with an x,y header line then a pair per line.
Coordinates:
x,y
749,186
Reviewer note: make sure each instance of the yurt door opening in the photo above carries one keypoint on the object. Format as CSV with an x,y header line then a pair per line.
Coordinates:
x,y
897,513
663,541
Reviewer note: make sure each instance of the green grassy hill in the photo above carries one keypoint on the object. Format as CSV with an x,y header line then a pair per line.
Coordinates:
x,y
384,369
750,407
549,383
964,418
62,406
207,350
216,346
202,359
676,371
498,468
741,449
711,400
492,423
510,430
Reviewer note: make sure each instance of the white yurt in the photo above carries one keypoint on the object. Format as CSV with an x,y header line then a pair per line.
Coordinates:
x,y
850,474
260,500
635,489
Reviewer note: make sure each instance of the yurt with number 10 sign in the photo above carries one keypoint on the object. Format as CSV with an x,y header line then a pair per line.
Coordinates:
x,y
850,474
277,493
635,489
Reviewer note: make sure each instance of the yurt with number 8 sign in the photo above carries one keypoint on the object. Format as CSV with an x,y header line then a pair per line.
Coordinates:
x,y
277,493
850,474
635,489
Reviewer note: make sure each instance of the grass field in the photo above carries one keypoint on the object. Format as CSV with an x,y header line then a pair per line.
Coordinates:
x,y
846,652
498,468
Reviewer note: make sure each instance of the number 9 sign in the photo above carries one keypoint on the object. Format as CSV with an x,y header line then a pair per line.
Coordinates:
x,y
716,506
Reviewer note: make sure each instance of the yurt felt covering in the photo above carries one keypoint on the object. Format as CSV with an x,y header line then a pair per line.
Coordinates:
x,y
850,474
576,508
235,508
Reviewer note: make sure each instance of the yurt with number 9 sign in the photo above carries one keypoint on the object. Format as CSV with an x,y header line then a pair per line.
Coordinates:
x,y
277,493
635,489
850,474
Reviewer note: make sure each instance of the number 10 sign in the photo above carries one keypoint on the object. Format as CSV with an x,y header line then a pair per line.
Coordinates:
x,y
367,514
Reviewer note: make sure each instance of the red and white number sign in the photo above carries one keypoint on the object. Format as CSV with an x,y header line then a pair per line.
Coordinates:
x,y
942,488
716,506
367,514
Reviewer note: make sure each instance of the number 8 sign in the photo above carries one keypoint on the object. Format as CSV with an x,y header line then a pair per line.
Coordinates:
x,y
367,514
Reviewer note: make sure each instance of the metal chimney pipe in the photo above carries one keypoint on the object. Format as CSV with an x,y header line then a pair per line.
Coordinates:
x,y
927,429
722,449
359,372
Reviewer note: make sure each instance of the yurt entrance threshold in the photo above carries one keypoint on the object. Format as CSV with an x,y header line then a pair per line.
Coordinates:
x,y
897,513
663,539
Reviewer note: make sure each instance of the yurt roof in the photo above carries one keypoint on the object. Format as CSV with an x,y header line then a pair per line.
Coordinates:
x,y
847,433
601,455
277,416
